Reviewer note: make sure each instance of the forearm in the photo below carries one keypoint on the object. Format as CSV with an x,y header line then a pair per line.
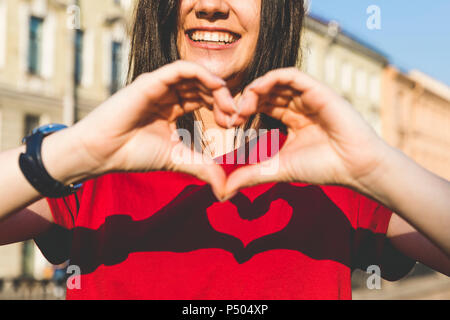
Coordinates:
x,y
15,191
63,160
414,193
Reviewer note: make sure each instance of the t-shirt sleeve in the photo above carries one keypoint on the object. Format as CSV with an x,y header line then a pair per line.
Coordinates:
x,y
56,243
370,244
64,210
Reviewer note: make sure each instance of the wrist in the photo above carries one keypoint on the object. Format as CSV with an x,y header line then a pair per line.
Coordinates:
x,y
374,184
64,158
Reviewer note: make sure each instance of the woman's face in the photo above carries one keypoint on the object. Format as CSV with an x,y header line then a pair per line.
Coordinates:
x,y
220,35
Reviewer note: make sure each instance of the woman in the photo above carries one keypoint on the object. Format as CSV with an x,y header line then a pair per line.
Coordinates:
x,y
296,232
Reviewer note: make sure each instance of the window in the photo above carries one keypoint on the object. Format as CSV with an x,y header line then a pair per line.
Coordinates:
x,y
116,70
361,83
35,45
330,68
347,77
88,58
375,89
311,60
79,56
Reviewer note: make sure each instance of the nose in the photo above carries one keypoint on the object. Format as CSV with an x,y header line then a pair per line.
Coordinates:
x,y
212,9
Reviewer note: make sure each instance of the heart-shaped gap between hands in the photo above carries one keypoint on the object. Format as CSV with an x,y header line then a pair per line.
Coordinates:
x,y
321,146
249,104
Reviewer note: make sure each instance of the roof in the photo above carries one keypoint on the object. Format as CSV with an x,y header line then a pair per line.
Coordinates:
x,y
431,84
347,39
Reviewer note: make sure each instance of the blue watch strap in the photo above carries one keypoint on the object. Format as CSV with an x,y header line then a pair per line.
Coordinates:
x,y
34,170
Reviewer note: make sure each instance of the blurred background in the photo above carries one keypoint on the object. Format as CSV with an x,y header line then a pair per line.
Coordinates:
x,y
59,59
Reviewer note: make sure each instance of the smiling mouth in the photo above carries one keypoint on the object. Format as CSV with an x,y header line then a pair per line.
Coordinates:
x,y
213,37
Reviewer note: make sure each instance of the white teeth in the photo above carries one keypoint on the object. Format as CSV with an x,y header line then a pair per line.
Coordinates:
x,y
212,36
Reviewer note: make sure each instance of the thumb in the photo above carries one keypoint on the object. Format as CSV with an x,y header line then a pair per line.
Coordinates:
x,y
264,172
200,166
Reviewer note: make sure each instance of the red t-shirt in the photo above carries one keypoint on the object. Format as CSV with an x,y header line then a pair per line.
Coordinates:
x,y
163,235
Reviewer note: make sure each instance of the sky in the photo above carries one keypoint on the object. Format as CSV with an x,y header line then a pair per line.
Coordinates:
x,y
413,34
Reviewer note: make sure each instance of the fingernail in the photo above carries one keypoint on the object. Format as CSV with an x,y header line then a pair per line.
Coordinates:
x,y
255,84
243,102
221,81
234,105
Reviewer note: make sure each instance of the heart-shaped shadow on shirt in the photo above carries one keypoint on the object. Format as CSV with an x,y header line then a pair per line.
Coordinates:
x,y
247,220
312,225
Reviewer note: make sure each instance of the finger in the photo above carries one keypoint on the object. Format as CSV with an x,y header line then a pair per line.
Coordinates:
x,y
182,70
264,172
248,104
199,165
203,89
282,103
284,91
192,85
277,100
195,90
225,101
192,89
191,94
186,85
209,100
206,100
235,120
227,121
316,101
298,81
252,103
190,105
288,116
279,95
287,77
165,77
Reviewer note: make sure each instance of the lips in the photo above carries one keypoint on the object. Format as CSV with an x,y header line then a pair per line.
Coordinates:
x,y
212,38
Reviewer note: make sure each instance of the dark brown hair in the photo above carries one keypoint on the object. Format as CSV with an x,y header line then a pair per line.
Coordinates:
x,y
154,44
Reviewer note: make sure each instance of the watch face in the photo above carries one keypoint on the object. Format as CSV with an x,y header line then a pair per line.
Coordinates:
x,y
49,128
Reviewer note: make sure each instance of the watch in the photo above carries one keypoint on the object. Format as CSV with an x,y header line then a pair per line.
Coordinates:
x,y
34,170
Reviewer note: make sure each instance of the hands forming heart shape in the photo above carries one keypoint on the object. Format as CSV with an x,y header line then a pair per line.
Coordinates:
x,y
328,142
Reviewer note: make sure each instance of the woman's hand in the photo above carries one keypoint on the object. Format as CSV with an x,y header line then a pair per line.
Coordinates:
x,y
135,129
328,141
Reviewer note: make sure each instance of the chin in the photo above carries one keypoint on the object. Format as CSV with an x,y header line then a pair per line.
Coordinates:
x,y
219,69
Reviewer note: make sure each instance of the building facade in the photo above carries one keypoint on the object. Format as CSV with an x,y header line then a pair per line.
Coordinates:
x,y
410,111
349,66
416,118
59,59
